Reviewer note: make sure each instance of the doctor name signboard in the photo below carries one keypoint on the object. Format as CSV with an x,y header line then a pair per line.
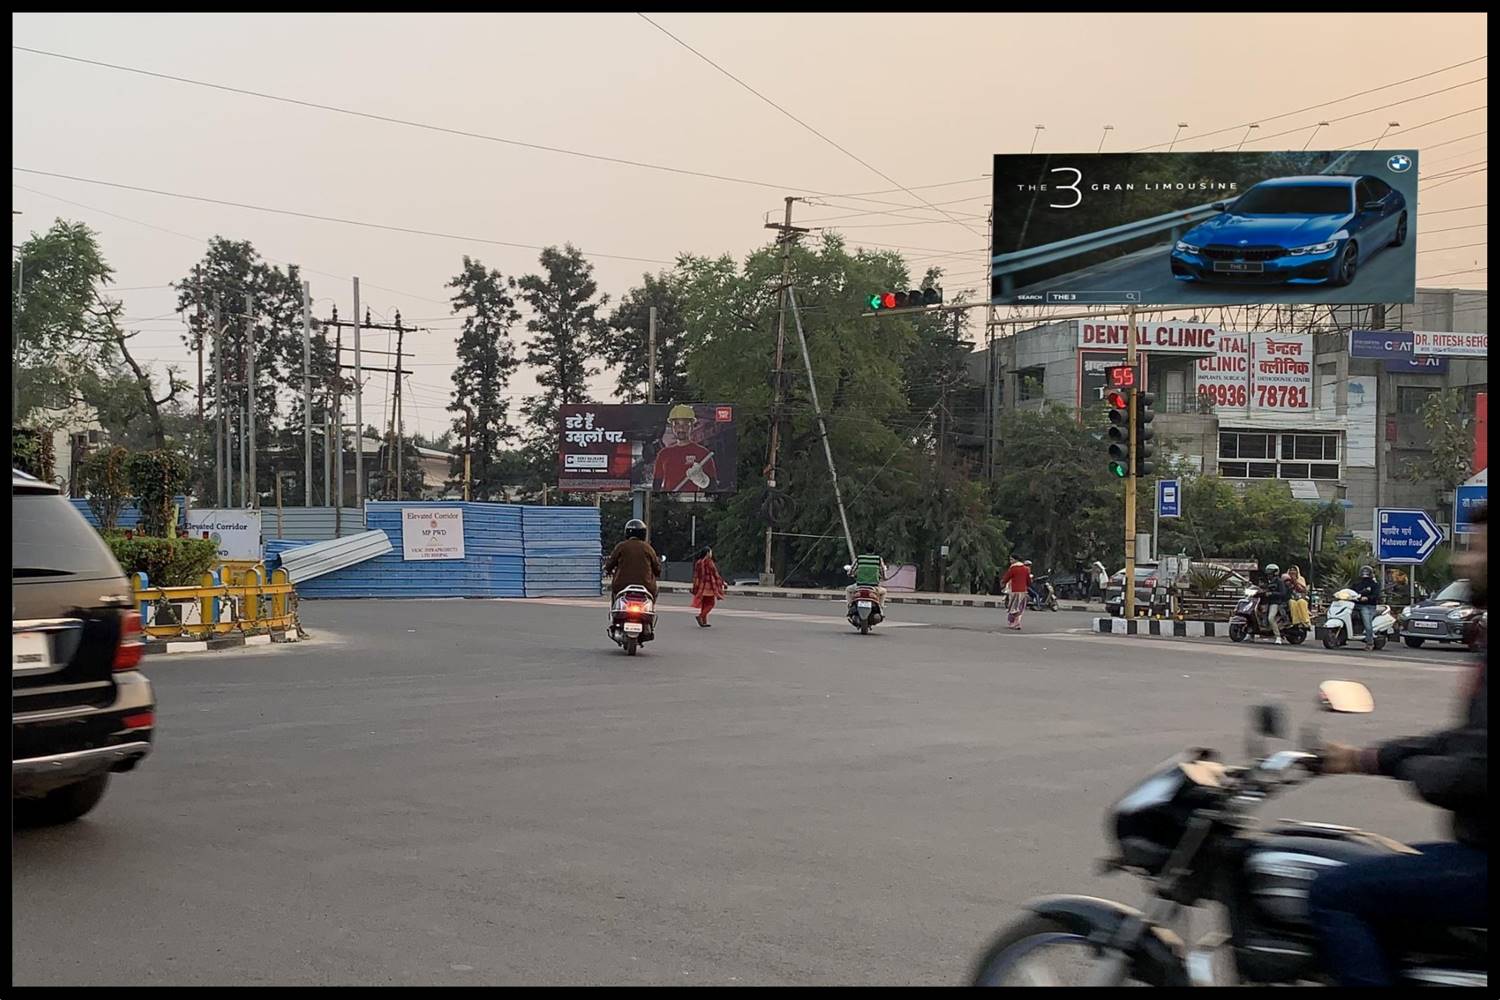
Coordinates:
x,y
432,533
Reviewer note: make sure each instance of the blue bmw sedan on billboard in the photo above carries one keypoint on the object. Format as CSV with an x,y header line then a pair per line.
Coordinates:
x,y
1323,227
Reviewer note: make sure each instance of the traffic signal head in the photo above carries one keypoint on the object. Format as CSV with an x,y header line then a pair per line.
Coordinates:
x,y
1144,432
1118,433
912,298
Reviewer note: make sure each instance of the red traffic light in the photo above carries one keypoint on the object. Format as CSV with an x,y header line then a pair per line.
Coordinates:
x,y
1115,398
888,300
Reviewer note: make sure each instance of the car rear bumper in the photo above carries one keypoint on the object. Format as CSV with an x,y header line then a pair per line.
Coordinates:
x,y
56,747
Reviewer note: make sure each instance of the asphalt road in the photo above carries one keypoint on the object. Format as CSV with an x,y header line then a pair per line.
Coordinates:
x,y
488,792
1387,277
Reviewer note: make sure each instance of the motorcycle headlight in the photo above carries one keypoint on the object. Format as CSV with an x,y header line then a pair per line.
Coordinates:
x,y
1314,248
1186,247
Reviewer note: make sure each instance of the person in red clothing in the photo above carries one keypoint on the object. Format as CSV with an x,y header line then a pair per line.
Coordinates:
x,y
1016,581
683,465
708,585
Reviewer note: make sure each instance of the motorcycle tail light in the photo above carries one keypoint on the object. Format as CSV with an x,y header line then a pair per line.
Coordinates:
x,y
635,607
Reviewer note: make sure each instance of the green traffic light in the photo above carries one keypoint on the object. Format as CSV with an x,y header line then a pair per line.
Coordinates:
x,y
874,302
1118,468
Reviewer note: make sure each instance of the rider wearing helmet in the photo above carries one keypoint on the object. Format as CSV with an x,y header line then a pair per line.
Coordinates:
x,y
683,465
1368,589
633,562
1277,600
1434,885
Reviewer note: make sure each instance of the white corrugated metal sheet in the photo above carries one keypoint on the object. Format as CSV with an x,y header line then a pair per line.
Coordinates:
x,y
307,562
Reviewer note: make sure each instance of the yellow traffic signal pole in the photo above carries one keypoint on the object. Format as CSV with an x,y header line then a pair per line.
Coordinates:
x,y
1127,595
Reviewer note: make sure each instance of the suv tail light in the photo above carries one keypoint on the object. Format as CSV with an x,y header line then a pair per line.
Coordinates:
x,y
132,642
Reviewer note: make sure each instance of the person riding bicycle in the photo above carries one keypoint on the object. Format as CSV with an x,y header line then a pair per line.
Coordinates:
x,y
633,562
1439,885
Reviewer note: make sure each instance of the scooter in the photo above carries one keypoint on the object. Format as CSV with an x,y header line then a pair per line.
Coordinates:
x,y
632,618
1249,620
1041,594
1340,625
864,610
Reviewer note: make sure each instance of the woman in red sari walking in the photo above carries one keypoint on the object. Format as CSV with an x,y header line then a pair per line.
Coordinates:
x,y
708,585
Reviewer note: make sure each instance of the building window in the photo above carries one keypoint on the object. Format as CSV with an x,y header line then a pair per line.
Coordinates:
x,y
1263,455
1410,398
1031,383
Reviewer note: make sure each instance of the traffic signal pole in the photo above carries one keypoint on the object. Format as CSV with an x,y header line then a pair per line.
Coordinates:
x,y
1127,595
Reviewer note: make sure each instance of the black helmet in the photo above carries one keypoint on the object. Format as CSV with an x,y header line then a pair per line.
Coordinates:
x,y
635,528
1366,571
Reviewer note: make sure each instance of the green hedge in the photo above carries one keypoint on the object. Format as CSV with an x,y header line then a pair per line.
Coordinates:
x,y
167,562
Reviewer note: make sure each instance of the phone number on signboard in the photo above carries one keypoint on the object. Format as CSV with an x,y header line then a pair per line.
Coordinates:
x,y
1288,397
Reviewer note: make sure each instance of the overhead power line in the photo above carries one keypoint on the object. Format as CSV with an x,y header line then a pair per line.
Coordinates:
x,y
836,145
1314,107
430,127
325,218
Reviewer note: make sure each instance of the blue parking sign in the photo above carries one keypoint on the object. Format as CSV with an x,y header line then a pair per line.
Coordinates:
x,y
1168,498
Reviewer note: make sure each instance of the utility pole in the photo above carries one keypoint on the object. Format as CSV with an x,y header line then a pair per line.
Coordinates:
x,y
468,451
650,398
359,412
396,403
198,309
307,489
812,386
221,429
250,477
1127,596
786,235
338,424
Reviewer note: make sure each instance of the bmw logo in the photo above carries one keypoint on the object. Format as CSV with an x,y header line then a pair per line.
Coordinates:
x,y
1400,163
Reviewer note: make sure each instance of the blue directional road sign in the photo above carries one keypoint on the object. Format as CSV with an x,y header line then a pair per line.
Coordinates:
x,y
1168,498
1405,537
1467,499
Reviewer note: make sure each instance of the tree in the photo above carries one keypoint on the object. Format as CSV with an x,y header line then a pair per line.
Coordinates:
x,y
566,329
627,344
1221,520
70,342
882,448
486,361
1450,444
1052,485
229,272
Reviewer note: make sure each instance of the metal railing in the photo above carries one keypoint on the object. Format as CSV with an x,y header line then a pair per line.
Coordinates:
x,y
1006,266
246,604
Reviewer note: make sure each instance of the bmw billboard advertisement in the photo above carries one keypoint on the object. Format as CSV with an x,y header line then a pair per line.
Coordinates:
x,y
1332,227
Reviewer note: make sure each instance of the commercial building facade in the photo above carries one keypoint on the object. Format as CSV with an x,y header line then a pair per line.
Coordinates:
x,y
1259,403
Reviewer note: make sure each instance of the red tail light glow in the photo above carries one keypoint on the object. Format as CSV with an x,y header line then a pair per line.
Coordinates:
x,y
132,642
141,720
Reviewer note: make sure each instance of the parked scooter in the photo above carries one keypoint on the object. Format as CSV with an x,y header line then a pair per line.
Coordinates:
x,y
1340,625
1249,620
632,619
1041,594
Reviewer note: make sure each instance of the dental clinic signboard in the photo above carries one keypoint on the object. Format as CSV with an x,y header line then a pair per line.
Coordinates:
x,y
432,533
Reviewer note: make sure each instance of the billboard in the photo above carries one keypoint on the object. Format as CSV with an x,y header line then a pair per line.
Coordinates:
x,y
686,449
1160,229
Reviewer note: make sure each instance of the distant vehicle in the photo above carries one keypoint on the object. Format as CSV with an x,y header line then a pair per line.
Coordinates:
x,y
1146,576
1304,230
745,580
81,709
1448,616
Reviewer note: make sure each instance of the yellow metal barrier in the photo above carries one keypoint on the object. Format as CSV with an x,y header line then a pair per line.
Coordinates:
x,y
251,604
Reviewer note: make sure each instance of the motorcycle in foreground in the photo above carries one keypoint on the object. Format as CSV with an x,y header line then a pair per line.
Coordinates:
x,y
1188,830
1340,624
1249,620
632,618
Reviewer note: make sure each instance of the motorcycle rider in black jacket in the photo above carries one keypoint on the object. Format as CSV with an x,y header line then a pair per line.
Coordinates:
x,y
1445,884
